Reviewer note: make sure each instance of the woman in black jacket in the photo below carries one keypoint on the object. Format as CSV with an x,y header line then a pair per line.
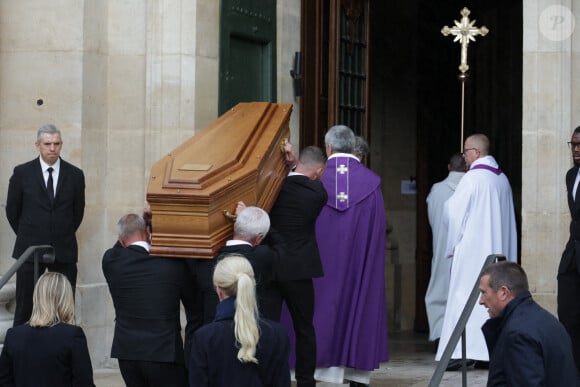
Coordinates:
x,y
238,348
49,350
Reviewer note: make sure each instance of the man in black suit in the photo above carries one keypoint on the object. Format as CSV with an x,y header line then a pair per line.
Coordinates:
x,y
45,206
261,245
569,269
251,228
294,214
146,292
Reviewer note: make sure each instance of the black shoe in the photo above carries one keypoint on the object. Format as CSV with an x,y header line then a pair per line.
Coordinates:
x,y
357,384
481,365
456,364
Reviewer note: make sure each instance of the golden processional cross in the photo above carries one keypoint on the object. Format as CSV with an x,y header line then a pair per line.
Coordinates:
x,y
464,32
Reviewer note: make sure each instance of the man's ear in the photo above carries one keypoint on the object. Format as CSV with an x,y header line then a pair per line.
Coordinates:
x,y
505,293
258,239
328,149
320,171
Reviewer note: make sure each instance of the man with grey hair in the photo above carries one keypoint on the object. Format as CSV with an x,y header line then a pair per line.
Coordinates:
x,y
361,148
45,206
252,225
350,315
250,229
527,345
146,292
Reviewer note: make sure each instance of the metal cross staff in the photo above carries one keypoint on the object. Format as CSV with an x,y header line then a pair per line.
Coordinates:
x,y
464,32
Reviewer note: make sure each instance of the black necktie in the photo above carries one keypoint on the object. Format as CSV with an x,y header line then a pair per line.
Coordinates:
x,y
50,186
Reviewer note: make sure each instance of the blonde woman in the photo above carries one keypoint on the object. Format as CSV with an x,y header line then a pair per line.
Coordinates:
x,y
238,348
49,350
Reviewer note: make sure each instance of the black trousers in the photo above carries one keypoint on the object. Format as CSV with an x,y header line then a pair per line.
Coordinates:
x,y
206,298
299,297
140,373
25,285
569,308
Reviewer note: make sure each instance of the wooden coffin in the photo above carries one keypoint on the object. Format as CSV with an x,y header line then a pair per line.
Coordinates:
x,y
238,157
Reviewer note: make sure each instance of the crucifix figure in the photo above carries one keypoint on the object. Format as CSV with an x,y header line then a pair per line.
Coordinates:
x,y
465,32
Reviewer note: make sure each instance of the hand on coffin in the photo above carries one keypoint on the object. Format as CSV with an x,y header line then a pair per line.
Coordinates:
x,y
289,155
240,207
147,215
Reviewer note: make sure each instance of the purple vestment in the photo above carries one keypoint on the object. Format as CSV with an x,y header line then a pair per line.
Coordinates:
x,y
350,316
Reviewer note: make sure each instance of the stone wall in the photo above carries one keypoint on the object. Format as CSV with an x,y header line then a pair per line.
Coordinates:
x,y
551,111
126,82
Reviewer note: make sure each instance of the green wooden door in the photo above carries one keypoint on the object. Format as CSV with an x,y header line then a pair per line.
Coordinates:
x,y
247,52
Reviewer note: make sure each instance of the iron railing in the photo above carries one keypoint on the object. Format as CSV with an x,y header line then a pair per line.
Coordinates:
x,y
459,330
39,254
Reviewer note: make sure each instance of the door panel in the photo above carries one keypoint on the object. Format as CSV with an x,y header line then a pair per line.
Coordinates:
x,y
335,78
247,52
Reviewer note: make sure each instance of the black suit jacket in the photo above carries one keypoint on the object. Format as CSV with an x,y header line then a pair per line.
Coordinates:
x,y
214,359
571,255
294,215
32,217
55,356
263,259
146,292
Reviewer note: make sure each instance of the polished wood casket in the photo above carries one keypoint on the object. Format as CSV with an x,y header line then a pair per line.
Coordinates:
x,y
193,190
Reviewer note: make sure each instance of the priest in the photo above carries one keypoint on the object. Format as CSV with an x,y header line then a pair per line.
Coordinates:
x,y
436,296
350,314
481,221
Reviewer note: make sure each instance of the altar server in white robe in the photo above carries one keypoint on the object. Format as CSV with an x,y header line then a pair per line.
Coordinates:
x,y
481,221
436,296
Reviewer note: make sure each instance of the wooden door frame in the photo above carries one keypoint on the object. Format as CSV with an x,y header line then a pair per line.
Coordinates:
x,y
320,20
311,36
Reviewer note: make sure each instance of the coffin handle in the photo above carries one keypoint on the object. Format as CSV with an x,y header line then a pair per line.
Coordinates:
x,y
283,144
229,215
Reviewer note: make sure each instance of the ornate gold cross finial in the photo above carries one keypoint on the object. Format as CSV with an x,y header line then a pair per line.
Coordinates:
x,y
464,31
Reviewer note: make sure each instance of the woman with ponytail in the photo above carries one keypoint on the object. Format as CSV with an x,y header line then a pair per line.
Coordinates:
x,y
238,348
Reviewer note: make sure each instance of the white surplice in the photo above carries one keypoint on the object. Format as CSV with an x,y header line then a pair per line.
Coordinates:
x,y
481,221
436,295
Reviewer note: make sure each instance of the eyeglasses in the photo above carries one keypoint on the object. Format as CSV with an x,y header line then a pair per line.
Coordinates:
x,y
573,145
468,149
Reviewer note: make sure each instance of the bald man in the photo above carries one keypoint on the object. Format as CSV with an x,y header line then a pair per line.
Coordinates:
x,y
481,221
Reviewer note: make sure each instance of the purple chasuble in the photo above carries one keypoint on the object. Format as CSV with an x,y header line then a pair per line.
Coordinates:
x,y
350,314
341,188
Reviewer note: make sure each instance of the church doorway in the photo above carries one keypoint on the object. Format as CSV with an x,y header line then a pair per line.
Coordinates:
x,y
411,105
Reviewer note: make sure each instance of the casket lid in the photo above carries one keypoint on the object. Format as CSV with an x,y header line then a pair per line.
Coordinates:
x,y
237,157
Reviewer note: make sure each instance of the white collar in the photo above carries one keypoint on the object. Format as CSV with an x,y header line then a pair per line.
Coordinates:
x,y
143,244
236,242
45,166
343,155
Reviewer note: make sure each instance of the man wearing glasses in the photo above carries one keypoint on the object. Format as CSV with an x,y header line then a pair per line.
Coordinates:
x,y
481,221
569,269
